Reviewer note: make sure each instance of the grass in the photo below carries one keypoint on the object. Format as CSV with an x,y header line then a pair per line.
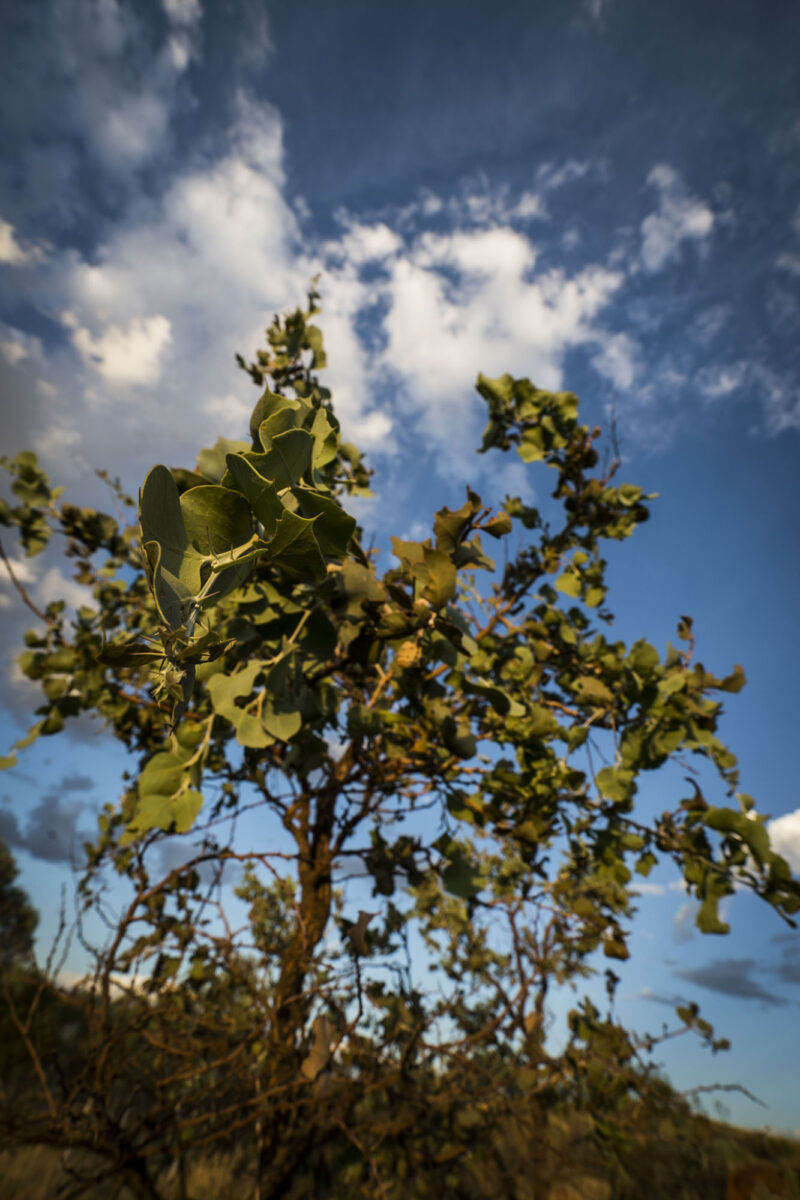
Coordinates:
x,y
702,1160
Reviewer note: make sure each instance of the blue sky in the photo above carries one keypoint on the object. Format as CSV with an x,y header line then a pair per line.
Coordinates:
x,y
600,194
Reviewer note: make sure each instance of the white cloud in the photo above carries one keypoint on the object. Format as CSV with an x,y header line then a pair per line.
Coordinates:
x,y
11,252
530,206
784,836
13,351
708,324
229,411
678,218
60,439
51,584
596,8
198,272
683,922
617,360
779,399
366,243
121,91
469,301
128,355
722,379
55,585
650,889
552,176
17,347
788,262
183,12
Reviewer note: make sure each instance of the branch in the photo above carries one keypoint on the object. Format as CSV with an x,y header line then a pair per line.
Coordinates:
x,y
25,597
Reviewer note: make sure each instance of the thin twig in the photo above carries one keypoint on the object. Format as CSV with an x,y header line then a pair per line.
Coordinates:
x,y
25,597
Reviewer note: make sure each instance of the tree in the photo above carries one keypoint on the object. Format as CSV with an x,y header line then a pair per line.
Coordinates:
x,y
465,742
18,918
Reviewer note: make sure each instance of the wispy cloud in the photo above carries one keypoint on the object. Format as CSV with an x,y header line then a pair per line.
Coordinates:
x,y
129,355
683,923
679,217
50,831
731,977
12,252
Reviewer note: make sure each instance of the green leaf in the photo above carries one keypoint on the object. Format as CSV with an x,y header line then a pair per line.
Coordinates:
x,y
734,682
645,863
749,829
498,526
461,878
176,578
499,699
282,722
275,413
334,527
314,342
359,586
326,440
260,493
569,583
251,732
643,657
432,568
205,649
128,654
615,783
294,548
183,536
162,775
174,814
160,512
589,690
225,690
450,525
212,461
708,919
287,459
615,948
217,520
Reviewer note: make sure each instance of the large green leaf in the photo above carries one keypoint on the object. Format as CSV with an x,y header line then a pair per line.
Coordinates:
x,y
217,519
615,783
589,690
449,525
225,690
432,568
176,578
287,459
461,878
173,813
334,527
326,440
499,699
129,654
359,586
261,493
184,535
276,413
749,829
211,462
295,549
708,919
160,513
